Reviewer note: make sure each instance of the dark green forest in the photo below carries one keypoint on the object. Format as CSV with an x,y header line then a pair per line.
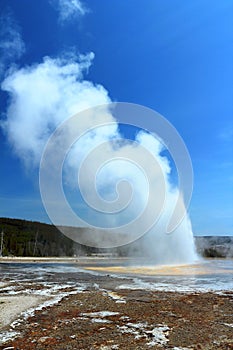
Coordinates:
x,y
31,238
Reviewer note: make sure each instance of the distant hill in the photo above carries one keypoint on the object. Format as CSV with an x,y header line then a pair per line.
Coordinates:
x,y
31,238
215,246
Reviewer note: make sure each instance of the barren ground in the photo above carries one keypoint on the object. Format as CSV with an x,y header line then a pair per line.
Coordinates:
x,y
130,320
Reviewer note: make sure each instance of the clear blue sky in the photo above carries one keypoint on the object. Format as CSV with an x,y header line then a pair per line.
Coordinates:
x,y
173,56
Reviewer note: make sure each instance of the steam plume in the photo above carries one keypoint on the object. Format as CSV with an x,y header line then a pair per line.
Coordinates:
x,y
44,95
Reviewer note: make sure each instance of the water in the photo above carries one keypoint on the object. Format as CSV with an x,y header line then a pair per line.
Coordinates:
x,y
207,275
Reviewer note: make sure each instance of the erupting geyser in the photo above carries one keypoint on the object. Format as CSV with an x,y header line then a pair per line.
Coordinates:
x,y
124,186
114,184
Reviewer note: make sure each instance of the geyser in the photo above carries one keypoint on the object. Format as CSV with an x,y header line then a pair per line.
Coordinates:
x,y
124,190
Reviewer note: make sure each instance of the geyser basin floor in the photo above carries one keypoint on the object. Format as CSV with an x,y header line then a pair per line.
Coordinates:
x,y
146,320
96,311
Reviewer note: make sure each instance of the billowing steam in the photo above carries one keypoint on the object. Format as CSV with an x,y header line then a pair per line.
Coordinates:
x,y
43,96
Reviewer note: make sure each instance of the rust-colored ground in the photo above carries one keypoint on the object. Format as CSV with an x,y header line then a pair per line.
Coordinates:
x,y
133,319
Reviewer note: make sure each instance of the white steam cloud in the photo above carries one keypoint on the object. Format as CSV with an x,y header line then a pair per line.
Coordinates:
x,y
42,96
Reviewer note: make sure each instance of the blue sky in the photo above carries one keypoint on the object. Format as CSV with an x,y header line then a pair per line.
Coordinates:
x,y
175,57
